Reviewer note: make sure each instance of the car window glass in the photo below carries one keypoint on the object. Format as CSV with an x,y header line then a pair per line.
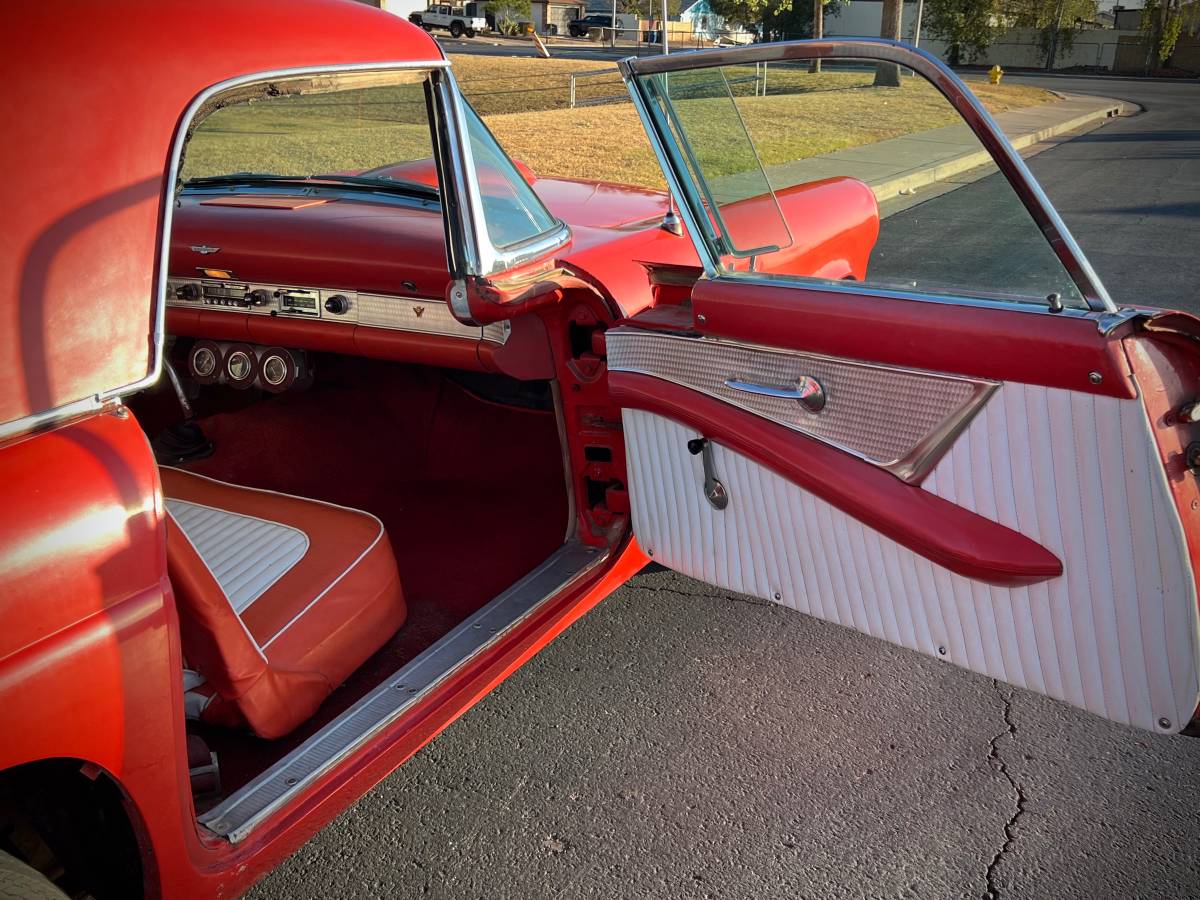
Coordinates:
x,y
512,211
333,123
804,174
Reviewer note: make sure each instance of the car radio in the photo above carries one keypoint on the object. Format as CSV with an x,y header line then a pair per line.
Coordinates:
x,y
299,301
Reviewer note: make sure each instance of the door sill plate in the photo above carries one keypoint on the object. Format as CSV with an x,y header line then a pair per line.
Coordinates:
x,y
240,813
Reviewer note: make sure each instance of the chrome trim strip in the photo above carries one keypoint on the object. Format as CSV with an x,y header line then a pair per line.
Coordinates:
x,y
240,813
899,419
978,119
861,289
394,312
1110,322
51,417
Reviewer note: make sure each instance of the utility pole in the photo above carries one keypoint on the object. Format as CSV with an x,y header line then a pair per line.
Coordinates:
x,y
665,41
916,41
1058,14
614,24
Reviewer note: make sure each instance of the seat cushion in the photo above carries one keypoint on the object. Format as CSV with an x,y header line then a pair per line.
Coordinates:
x,y
280,598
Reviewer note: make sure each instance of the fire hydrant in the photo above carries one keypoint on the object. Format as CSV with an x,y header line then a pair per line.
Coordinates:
x,y
995,73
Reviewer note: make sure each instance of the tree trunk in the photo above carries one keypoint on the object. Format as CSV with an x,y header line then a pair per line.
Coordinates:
x,y
818,30
888,74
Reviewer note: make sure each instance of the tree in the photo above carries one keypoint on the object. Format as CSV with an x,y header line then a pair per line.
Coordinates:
x,y
649,9
888,74
1163,21
508,13
968,26
1050,16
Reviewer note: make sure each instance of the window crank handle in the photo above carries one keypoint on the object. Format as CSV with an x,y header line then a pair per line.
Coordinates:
x,y
714,491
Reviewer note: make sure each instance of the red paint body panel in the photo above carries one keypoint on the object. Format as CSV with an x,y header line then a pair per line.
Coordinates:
x,y
78,273
953,537
832,228
1056,351
351,244
89,652
89,649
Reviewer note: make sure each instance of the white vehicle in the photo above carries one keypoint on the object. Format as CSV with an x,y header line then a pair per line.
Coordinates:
x,y
453,18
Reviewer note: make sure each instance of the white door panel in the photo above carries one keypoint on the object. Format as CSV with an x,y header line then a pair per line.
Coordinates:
x,y
1116,634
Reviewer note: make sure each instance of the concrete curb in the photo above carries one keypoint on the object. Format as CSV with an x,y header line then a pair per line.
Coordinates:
x,y
943,170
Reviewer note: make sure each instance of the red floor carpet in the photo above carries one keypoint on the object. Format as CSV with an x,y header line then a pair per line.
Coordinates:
x,y
471,493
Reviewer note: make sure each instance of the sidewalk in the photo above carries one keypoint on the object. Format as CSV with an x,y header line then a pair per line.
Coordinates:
x,y
904,165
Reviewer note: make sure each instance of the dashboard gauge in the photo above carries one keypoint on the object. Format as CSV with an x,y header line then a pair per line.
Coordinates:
x,y
241,365
206,361
277,368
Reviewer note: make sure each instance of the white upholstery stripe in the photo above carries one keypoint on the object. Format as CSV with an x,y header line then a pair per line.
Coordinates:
x,y
246,555
1118,634
296,618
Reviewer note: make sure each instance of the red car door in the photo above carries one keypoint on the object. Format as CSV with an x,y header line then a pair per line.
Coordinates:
x,y
966,449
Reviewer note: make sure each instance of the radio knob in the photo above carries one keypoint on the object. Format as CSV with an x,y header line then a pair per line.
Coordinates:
x,y
260,297
189,291
337,304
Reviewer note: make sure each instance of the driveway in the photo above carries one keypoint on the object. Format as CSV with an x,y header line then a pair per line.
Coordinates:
x,y
683,742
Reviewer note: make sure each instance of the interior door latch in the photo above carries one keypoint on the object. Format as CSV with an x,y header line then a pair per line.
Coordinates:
x,y
714,491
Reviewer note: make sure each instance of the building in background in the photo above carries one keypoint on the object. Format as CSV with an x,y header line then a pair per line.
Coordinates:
x,y
553,16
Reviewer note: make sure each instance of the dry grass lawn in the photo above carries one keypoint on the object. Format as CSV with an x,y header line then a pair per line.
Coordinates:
x,y
525,102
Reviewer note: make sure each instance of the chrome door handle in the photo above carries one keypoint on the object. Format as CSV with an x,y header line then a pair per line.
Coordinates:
x,y
807,391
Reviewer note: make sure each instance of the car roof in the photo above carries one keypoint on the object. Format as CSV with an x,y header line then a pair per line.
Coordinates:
x,y
91,96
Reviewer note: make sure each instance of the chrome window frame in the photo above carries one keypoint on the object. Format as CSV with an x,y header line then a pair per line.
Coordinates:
x,y
471,252
467,245
49,418
981,123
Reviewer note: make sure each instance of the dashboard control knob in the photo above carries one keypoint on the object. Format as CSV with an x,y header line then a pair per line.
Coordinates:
x,y
337,304
189,291
260,297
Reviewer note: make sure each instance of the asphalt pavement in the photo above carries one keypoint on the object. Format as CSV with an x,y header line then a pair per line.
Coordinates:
x,y
680,741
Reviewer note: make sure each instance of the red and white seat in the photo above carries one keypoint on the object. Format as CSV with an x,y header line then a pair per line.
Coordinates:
x,y
280,598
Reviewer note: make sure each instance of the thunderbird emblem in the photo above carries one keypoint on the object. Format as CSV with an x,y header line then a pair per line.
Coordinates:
x,y
204,249
419,311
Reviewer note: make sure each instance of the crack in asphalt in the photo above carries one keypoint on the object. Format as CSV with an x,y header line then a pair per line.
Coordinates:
x,y
994,757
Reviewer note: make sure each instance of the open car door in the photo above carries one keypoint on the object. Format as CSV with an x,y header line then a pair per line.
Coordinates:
x,y
897,397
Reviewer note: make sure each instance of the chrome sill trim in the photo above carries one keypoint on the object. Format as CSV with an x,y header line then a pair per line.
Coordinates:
x,y
911,468
240,813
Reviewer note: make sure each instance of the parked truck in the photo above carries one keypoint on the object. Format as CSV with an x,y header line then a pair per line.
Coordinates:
x,y
455,19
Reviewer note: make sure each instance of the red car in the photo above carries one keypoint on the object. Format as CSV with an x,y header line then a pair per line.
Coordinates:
x,y
322,415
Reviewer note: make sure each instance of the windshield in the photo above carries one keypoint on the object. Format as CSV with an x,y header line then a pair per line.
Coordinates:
x,y
336,124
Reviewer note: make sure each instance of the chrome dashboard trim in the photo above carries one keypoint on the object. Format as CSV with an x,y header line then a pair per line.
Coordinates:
x,y
899,419
393,312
